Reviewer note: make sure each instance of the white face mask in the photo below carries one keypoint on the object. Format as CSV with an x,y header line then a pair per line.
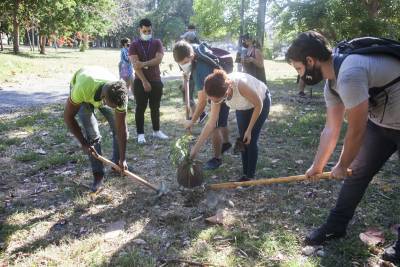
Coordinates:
x,y
187,67
145,37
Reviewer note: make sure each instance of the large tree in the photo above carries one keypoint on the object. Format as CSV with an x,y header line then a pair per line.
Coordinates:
x,y
261,21
220,18
337,19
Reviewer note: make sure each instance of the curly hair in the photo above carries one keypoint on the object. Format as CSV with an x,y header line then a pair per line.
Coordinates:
x,y
215,84
309,44
181,50
117,93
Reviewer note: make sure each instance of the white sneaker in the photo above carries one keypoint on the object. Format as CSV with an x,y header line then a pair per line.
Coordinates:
x,y
160,135
141,139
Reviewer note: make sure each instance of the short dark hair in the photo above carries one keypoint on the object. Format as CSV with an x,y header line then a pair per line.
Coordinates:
x,y
181,50
191,27
309,44
215,84
124,41
144,22
117,93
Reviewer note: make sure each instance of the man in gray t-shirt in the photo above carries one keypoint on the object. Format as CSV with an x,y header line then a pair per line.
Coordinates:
x,y
373,132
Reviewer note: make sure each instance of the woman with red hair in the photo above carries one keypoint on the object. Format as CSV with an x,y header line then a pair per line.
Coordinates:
x,y
251,100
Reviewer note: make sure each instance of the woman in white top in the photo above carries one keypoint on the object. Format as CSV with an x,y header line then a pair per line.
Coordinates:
x,y
251,100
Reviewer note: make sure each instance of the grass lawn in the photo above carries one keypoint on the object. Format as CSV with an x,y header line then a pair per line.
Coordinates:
x,y
48,217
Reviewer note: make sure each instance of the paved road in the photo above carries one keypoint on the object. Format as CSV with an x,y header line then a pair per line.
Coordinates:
x,y
36,92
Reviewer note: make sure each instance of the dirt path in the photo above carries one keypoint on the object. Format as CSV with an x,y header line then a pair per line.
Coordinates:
x,y
36,91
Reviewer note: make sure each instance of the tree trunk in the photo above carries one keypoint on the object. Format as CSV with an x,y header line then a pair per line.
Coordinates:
x,y
33,38
85,42
38,39
373,8
29,39
42,44
1,41
239,65
262,5
16,27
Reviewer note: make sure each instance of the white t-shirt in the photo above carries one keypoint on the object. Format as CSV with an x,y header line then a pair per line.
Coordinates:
x,y
239,102
356,75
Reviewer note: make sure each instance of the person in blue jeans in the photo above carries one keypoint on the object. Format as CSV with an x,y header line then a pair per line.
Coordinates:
x,y
251,100
96,88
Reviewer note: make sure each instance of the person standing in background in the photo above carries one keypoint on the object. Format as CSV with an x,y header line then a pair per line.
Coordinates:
x,y
146,54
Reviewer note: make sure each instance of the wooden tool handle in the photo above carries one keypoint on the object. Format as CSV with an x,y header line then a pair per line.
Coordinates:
x,y
187,96
125,172
266,181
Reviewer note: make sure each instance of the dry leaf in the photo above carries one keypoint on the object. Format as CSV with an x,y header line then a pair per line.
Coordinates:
x,y
218,218
372,237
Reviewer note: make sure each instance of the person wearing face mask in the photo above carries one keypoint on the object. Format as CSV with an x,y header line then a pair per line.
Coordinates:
x,y
253,59
96,88
251,100
373,130
192,65
146,55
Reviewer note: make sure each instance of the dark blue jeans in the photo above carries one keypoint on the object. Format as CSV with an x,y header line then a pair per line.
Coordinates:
x,y
92,133
378,145
250,154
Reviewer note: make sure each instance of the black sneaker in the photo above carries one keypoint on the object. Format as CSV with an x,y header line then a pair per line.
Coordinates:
x,y
391,254
302,94
322,234
213,164
97,183
203,116
225,147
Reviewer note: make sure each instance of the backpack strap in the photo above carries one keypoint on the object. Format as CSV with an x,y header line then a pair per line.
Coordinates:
x,y
337,62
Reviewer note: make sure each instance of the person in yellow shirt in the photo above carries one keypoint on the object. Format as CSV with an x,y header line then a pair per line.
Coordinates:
x,y
96,88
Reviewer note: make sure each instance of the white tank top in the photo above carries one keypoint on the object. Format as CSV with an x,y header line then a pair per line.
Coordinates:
x,y
239,102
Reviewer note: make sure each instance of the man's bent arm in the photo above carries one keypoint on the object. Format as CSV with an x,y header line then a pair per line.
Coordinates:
x,y
329,136
357,118
70,111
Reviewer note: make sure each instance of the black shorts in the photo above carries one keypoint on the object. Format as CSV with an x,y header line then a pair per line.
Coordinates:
x,y
223,116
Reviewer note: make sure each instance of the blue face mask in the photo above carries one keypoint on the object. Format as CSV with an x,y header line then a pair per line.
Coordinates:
x,y
145,37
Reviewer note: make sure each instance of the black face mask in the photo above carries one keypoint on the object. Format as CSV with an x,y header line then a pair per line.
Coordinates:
x,y
312,76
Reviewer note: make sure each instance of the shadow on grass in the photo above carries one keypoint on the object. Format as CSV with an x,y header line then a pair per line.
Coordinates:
x,y
36,55
270,222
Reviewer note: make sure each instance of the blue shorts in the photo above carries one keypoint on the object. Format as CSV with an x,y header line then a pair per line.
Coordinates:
x,y
223,116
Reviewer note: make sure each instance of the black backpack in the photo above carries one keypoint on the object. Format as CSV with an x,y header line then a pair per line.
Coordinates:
x,y
215,57
366,46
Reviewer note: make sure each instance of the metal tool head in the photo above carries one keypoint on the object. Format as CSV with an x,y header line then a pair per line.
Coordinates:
x,y
162,190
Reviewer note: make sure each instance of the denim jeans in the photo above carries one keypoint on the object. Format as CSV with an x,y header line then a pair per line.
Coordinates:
x,y
92,133
250,154
378,145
